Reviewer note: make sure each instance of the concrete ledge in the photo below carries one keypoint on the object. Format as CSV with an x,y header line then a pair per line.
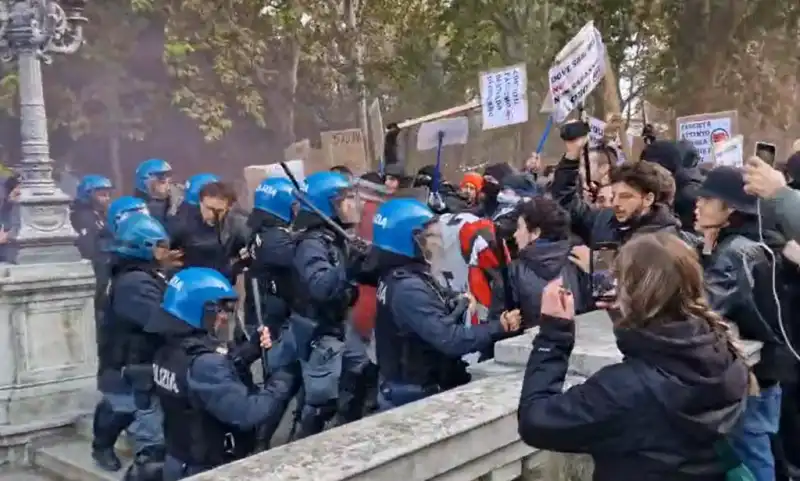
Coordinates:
x,y
474,427
595,346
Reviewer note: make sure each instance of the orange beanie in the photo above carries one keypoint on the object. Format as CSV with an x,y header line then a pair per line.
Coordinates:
x,y
473,178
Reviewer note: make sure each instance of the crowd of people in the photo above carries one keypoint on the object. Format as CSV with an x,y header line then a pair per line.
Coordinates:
x,y
701,256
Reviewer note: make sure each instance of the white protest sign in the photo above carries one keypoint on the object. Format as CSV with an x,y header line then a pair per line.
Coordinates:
x,y
705,130
730,152
578,69
455,131
504,96
597,129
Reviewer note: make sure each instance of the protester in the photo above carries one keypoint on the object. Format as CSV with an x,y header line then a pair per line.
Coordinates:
x,y
664,411
471,185
543,240
636,187
674,157
740,279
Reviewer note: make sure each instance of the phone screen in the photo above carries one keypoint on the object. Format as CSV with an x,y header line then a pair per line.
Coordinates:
x,y
604,284
766,152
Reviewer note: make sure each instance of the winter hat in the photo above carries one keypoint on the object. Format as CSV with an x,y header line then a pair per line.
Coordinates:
x,y
474,179
793,166
727,184
689,155
498,171
665,153
395,170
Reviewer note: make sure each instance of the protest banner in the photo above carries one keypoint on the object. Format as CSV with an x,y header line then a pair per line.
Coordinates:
x,y
345,147
597,129
504,96
705,130
578,69
729,152
376,131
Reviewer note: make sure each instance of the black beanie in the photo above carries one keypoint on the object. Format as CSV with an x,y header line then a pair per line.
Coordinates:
x,y
665,153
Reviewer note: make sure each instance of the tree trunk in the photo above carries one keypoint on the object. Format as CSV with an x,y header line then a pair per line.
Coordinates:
x,y
291,74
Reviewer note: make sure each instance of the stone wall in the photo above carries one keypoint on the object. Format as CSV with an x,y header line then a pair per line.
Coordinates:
x,y
469,433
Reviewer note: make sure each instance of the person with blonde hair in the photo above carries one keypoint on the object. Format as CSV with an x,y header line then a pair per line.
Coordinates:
x,y
664,411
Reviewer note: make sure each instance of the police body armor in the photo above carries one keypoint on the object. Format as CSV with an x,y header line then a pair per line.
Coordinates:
x,y
191,434
274,285
122,342
332,314
411,359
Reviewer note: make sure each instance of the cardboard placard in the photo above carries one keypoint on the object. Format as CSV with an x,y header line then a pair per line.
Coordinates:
x,y
704,130
255,174
345,147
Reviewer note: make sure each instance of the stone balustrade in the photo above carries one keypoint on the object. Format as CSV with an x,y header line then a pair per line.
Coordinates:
x,y
469,433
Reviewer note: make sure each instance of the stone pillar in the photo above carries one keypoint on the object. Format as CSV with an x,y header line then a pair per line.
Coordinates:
x,y
48,358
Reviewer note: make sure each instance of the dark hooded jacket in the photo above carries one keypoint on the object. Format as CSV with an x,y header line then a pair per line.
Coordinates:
x,y
536,265
739,283
657,415
595,226
679,160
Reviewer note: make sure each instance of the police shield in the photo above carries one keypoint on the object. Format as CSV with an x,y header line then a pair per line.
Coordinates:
x,y
370,196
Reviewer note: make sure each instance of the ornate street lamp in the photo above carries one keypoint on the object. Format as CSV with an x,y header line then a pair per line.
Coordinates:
x,y
31,30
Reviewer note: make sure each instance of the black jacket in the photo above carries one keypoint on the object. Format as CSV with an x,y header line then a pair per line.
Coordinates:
x,y
536,265
739,284
595,226
655,416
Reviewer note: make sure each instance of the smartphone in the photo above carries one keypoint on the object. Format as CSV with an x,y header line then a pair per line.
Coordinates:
x,y
604,283
766,152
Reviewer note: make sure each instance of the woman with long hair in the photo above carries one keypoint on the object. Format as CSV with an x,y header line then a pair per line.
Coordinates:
x,y
663,413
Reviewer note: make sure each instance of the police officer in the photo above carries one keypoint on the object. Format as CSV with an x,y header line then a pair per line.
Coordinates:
x,y
125,351
323,289
122,207
203,385
153,182
268,280
420,333
88,217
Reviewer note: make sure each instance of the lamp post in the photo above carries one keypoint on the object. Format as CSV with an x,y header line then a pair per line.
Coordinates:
x,y
30,31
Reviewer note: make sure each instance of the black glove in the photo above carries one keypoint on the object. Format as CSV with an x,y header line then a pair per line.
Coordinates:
x,y
357,251
245,353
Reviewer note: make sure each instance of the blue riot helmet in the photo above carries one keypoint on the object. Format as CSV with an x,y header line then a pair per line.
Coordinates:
x,y
323,189
150,169
123,207
138,235
194,185
399,224
195,292
90,184
275,196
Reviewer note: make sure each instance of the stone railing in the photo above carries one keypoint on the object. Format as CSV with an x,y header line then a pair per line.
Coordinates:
x,y
469,433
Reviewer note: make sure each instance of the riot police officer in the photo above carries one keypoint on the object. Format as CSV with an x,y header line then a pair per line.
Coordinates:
x,y
153,179
269,281
211,408
325,267
88,217
420,333
125,351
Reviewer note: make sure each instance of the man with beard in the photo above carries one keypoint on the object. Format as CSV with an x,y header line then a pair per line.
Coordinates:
x,y
635,209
